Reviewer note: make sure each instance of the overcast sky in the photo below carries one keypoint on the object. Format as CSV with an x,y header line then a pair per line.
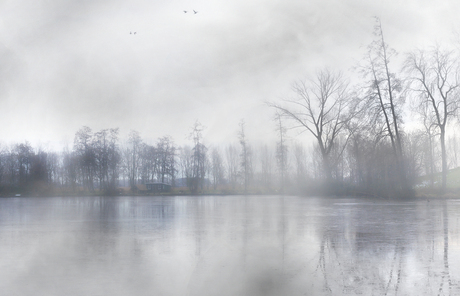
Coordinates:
x,y
65,64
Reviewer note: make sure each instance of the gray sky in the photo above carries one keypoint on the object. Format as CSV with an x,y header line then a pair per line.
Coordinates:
x,y
69,63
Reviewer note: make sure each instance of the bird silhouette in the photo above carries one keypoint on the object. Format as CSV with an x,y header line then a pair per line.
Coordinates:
x,y
185,11
130,32
195,11
135,33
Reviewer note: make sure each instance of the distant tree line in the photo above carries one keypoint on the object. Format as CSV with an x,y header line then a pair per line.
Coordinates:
x,y
101,163
97,163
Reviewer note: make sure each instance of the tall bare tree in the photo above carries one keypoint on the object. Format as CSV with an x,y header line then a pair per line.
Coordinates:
x,y
434,77
231,157
114,159
100,146
132,156
84,151
70,168
185,163
300,163
217,168
24,153
199,159
385,100
166,155
453,151
266,168
245,157
281,150
429,129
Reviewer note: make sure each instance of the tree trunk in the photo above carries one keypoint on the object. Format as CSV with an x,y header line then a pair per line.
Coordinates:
x,y
443,159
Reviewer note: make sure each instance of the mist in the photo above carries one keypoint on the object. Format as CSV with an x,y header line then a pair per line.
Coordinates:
x,y
229,148
67,65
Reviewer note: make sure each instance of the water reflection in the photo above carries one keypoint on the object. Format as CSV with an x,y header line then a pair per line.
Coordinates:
x,y
236,245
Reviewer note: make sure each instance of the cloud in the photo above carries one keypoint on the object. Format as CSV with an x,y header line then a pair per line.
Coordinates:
x,y
66,64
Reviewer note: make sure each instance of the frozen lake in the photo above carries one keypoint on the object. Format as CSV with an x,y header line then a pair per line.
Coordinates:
x,y
228,245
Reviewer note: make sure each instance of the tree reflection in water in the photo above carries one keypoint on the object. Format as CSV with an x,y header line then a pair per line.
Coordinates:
x,y
445,274
386,250
233,245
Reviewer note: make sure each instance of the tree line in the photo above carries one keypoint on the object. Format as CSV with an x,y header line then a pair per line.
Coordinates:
x,y
101,163
361,143
359,129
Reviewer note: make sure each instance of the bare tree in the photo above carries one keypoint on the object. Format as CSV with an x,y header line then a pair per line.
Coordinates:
x,y
11,169
428,144
24,153
149,163
52,168
185,163
414,153
245,157
217,168
300,159
231,156
453,150
321,108
166,154
434,77
385,99
266,167
84,151
105,156
281,150
133,157
100,145
70,168
114,159
199,159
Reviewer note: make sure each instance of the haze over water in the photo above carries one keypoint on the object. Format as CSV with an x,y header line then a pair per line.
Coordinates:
x,y
233,245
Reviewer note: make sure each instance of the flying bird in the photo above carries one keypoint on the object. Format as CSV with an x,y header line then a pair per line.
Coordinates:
x,y
195,11
185,11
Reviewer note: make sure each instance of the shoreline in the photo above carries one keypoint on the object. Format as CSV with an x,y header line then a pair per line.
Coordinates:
x,y
417,196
